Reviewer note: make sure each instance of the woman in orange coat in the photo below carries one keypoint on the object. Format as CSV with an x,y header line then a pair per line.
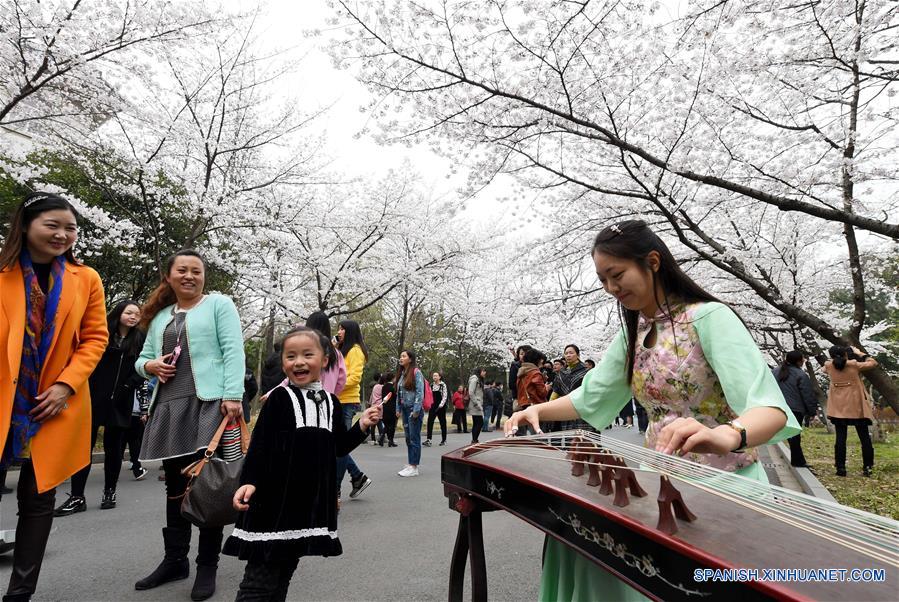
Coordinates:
x,y
53,323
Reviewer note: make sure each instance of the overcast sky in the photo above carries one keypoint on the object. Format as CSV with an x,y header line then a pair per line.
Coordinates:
x,y
318,84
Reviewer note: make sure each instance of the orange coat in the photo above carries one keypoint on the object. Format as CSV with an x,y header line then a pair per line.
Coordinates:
x,y
61,446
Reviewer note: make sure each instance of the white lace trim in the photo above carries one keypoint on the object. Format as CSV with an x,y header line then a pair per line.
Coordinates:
x,y
283,535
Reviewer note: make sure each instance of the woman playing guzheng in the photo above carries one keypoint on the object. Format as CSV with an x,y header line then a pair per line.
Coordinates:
x,y
692,364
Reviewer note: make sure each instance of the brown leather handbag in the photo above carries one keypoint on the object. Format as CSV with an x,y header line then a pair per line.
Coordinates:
x,y
207,500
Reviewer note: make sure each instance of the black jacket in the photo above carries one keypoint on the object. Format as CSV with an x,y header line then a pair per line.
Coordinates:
x,y
292,461
272,374
113,383
797,390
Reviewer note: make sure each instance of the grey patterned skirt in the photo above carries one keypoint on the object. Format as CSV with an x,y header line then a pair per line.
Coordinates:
x,y
180,426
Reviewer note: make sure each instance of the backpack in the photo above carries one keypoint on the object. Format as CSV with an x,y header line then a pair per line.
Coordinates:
x,y
429,395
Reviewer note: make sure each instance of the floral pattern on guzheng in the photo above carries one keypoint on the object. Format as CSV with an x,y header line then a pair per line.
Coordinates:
x,y
673,378
644,564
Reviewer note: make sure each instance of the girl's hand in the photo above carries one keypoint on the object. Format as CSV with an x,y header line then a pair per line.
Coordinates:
x,y
242,497
232,409
52,401
370,417
161,368
685,435
528,416
398,413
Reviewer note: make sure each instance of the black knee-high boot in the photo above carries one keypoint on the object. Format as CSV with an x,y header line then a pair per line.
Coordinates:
x,y
207,563
32,533
176,539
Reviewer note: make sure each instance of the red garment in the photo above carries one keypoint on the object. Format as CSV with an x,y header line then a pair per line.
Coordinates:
x,y
458,401
531,386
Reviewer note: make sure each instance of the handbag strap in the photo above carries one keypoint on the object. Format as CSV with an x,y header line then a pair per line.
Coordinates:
x,y
217,437
194,469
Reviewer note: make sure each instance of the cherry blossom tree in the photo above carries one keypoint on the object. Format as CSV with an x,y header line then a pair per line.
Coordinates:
x,y
733,124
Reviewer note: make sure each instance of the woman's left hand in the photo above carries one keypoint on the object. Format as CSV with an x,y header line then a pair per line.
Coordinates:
x,y
52,401
685,435
232,409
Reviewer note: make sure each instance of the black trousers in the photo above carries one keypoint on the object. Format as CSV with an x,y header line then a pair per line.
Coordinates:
x,y
460,420
210,544
477,423
839,449
266,582
32,533
797,458
497,415
112,460
133,438
439,414
389,419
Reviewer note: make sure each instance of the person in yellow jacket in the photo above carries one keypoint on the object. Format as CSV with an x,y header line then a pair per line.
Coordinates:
x,y
355,354
53,324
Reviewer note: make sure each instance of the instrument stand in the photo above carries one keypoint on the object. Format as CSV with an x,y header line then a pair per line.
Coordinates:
x,y
469,545
670,497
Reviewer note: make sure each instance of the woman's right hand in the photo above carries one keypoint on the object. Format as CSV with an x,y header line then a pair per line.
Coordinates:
x,y
242,497
160,368
528,416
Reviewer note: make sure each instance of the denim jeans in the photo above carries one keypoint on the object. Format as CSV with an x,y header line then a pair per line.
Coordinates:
x,y
345,463
412,429
488,412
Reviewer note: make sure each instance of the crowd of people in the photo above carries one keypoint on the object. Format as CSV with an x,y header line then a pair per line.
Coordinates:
x,y
166,376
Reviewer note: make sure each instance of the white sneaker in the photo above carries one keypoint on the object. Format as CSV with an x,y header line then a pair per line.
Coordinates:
x,y
404,470
409,471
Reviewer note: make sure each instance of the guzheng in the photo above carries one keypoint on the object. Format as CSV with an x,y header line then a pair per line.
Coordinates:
x,y
654,520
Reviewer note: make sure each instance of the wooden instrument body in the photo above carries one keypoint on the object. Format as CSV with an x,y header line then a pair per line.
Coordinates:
x,y
625,541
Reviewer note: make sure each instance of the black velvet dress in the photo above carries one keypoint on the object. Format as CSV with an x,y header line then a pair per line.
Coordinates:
x,y
292,462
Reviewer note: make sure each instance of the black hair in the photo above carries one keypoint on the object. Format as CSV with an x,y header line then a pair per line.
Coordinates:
x,y
297,331
477,372
839,355
31,207
533,356
634,240
793,358
590,362
318,320
573,346
352,336
521,348
408,375
133,342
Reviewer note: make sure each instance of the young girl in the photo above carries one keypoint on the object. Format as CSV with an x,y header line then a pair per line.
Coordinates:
x,y
112,384
689,360
459,418
410,387
476,407
288,495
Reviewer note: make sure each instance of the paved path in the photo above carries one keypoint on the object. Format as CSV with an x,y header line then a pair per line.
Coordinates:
x,y
399,534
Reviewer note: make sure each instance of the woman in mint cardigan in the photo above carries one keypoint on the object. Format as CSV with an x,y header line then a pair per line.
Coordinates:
x,y
194,347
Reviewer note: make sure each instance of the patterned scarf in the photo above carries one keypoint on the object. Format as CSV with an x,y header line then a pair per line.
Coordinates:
x,y
40,325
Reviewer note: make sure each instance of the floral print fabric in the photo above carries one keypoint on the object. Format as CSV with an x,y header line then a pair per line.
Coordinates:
x,y
673,379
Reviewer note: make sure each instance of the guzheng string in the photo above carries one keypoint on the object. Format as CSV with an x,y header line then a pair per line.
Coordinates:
x,y
872,535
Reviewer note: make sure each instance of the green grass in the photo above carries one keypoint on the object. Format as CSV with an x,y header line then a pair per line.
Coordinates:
x,y
877,494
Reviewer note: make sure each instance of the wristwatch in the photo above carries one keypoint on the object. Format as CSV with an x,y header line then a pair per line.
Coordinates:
x,y
735,424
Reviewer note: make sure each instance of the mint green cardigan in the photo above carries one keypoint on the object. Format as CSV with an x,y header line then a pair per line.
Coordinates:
x,y
215,339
